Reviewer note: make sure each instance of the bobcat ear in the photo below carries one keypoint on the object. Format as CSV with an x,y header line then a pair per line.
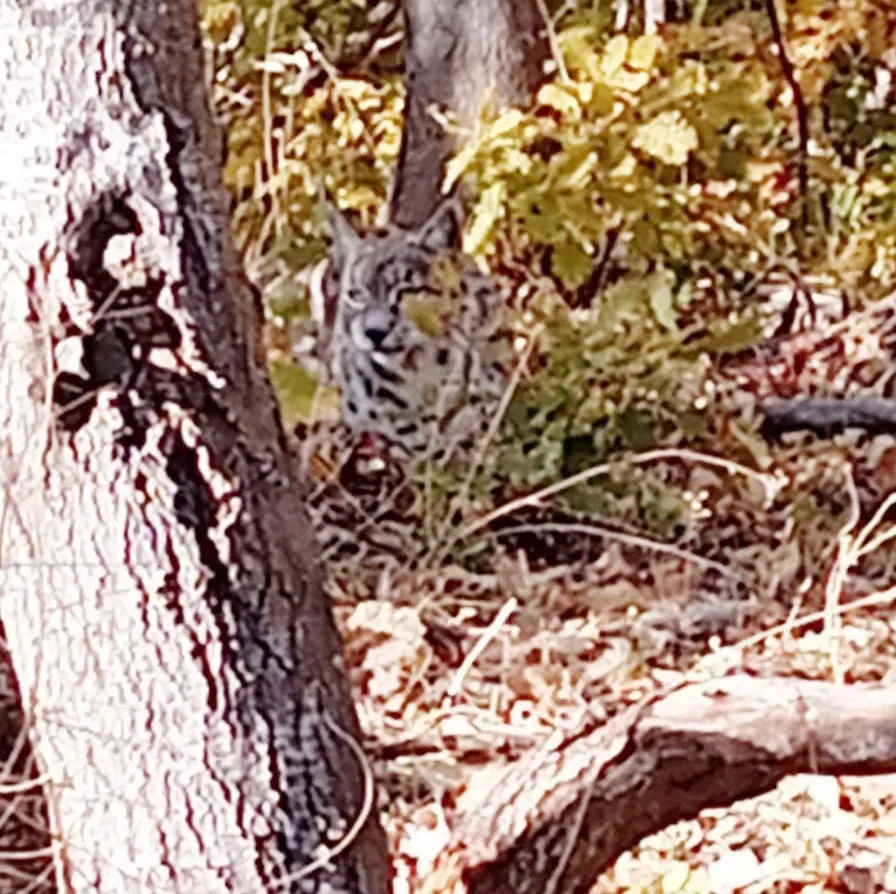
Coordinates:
x,y
444,228
345,237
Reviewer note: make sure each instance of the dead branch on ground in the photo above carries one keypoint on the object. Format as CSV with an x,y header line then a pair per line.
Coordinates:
x,y
827,416
556,820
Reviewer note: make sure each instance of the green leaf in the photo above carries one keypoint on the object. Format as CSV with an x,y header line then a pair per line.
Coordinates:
x,y
571,263
636,426
662,299
733,163
296,392
645,237
622,301
732,338
602,100
426,313
667,137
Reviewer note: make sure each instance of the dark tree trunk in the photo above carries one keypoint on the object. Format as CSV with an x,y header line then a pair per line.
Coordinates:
x,y
160,593
459,54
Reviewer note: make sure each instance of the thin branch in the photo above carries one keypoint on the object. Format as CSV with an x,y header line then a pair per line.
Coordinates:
x,y
553,43
588,292
457,683
663,453
873,600
637,540
799,106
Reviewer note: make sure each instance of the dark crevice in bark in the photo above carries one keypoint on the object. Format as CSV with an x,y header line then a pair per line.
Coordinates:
x,y
126,325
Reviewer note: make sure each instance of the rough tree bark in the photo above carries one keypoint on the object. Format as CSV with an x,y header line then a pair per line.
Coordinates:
x,y
458,55
177,661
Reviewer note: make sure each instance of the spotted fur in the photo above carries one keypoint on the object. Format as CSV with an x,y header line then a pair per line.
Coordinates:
x,y
413,333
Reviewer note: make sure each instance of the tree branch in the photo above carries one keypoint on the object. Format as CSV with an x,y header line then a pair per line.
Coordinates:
x,y
801,110
827,416
557,820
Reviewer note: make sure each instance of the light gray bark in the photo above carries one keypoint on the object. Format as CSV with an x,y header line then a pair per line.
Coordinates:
x,y
158,581
458,55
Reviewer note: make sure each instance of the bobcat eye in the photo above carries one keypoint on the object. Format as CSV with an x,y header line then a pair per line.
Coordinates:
x,y
354,298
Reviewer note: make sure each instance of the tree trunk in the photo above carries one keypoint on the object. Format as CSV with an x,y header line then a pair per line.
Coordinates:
x,y
160,594
458,55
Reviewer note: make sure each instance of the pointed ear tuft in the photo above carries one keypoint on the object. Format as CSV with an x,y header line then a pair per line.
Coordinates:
x,y
345,237
444,228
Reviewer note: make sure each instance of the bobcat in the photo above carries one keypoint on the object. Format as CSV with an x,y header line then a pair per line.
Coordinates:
x,y
411,333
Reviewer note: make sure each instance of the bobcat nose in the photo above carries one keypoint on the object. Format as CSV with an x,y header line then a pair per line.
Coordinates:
x,y
375,328
376,334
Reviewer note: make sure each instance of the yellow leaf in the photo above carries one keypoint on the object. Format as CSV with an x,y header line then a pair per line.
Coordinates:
x,y
577,45
690,79
488,211
667,137
457,166
625,168
614,54
517,160
676,878
557,98
644,50
505,123
584,91
626,79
